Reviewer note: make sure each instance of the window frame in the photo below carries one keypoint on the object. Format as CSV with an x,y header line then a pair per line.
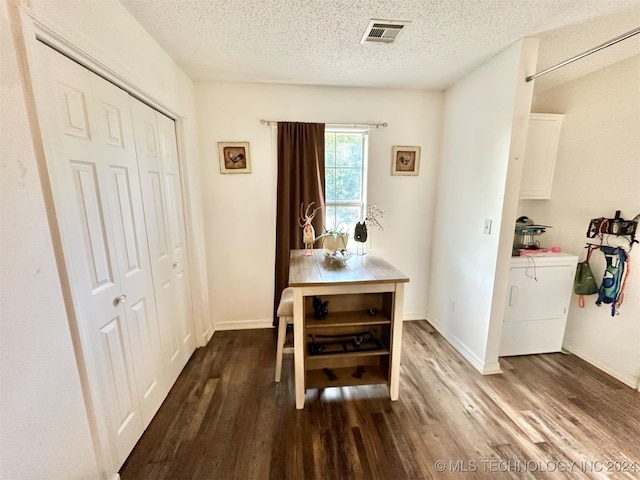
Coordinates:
x,y
362,203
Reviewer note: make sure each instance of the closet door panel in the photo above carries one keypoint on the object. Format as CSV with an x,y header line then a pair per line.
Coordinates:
x,y
157,216
177,235
155,203
72,103
142,330
115,141
91,222
112,355
173,344
130,263
114,347
69,121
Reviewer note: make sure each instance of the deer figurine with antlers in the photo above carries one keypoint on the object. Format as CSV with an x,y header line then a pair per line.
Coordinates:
x,y
308,233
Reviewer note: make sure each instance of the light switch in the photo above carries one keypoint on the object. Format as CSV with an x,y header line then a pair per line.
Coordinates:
x,y
487,226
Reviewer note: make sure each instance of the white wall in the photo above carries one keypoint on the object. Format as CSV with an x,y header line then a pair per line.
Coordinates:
x,y
240,210
597,172
484,130
45,427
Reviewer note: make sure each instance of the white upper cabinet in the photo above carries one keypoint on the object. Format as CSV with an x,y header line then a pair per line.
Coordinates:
x,y
540,156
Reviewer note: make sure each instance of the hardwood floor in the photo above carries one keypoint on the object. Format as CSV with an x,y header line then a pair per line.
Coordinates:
x,y
226,419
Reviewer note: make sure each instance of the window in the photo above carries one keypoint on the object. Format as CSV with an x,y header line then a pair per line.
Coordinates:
x,y
345,170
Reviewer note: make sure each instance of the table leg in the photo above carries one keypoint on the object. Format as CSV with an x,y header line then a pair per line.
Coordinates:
x,y
396,341
298,346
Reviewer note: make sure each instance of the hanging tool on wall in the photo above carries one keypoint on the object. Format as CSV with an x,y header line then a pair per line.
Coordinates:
x,y
585,282
618,260
598,227
615,274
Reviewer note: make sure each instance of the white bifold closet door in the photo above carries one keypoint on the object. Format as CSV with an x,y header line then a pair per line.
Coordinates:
x,y
159,173
132,312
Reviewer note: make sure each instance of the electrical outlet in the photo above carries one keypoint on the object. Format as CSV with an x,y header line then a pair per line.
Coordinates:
x,y
453,305
486,229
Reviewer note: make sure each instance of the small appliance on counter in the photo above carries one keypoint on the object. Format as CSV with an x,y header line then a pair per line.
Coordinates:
x,y
526,235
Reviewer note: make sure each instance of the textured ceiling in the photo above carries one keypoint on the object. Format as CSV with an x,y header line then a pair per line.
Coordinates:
x,y
317,42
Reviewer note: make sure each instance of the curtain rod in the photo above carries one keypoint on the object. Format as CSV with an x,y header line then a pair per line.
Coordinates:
x,y
613,41
273,123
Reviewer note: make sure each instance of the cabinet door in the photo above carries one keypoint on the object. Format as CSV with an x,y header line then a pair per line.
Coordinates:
x,y
540,156
536,310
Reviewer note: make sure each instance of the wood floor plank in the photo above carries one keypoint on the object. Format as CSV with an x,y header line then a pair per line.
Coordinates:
x,y
226,419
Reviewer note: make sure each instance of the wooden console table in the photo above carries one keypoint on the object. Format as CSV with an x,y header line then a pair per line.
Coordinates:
x,y
366,297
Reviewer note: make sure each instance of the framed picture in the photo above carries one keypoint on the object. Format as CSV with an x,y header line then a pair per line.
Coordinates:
x,y
405,160
234,157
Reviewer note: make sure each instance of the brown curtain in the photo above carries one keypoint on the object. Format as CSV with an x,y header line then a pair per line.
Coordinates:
x,y
300,180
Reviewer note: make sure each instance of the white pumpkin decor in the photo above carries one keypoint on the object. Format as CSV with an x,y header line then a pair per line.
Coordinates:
x,y
334,242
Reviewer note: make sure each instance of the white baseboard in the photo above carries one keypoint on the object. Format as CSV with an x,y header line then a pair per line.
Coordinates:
x,y
244,324
482,367
492,368
206,336
413,316
627,379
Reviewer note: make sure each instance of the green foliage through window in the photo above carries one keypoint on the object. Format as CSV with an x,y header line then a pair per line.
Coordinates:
x,y
345,162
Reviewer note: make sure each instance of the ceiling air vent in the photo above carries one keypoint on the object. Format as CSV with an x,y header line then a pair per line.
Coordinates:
x,y
382,31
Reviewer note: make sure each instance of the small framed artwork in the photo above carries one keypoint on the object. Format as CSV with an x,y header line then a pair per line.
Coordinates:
x,y
405,160
234,157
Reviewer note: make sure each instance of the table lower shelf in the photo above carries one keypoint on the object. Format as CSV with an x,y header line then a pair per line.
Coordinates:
x,y
319,378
